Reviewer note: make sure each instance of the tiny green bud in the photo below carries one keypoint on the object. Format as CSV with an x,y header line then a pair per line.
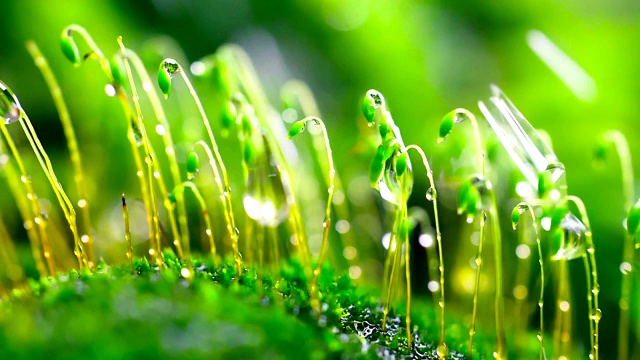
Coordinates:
x,y
297,127
446,126
173,195
384,129
69,48
463,196
543,183
229,113
249,153
372,100
118,79
193,162
633,219
168,68
247,127
515,217
600,151
402,162
375,171
472,203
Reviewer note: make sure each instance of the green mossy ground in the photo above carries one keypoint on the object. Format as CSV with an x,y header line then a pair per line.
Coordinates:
x,y
115,313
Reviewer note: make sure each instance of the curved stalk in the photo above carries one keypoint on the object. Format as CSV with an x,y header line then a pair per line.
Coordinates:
x,y
326,224
309,107
72,143
593,287
29,215
149,158
433,194
164,130
476,287
619,142
45,163
97,54
226,189
521,208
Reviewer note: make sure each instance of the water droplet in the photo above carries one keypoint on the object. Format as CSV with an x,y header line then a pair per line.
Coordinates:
x,y
539,336
82,203
523,251
343,226
193,175
596,315
426,240
349,252
595,289
84,238
564,306
470,219
9,105
429,195
433,286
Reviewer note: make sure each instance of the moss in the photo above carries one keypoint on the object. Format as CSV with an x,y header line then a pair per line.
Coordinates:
x,y
119,313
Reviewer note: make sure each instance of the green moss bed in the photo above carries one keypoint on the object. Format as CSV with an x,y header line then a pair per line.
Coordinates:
x,y
117,313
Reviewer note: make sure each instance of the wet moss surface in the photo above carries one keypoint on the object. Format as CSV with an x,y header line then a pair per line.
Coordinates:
x,y
117,313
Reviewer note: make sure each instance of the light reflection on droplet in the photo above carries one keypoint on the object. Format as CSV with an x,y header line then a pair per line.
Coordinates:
x,y
546,223
82,203
564,306
197,68
625,268
433,286
349,252
386,239
524,189
160,130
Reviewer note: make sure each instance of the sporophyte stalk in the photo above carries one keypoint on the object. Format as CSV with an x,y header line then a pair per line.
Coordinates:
x,y
66,205
476,197
298,127
169,68
391,175
72,143
516,216
617,140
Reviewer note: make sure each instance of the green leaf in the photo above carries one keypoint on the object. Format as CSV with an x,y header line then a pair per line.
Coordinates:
x,y
368,108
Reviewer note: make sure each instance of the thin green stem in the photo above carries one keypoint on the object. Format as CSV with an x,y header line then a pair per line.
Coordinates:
x,y
72,143
476,287
164,130
226,189
127,230
16,180
529,209
326,224
619,141
593,287
205,215
149,158
434,199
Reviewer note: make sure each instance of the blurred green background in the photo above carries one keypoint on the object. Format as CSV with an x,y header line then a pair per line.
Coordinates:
x,y
427,57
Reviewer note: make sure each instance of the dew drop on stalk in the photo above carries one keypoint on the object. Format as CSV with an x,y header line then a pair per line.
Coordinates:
x,y
429,195
625,268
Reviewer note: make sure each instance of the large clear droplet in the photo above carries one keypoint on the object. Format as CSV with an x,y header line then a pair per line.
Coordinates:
x,y
573,244
9,105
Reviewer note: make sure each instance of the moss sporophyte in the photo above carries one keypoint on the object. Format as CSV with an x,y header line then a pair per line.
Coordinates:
x,y
274,284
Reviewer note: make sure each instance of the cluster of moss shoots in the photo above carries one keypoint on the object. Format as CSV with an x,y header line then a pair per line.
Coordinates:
x,y
270,198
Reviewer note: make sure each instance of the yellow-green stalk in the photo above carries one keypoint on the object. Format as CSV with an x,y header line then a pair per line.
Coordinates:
x,y
20,186
127,230
516,214
45,163
295,92
164,130
149,158
456,116
114,88
72,143
169,68
619,142
297,128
